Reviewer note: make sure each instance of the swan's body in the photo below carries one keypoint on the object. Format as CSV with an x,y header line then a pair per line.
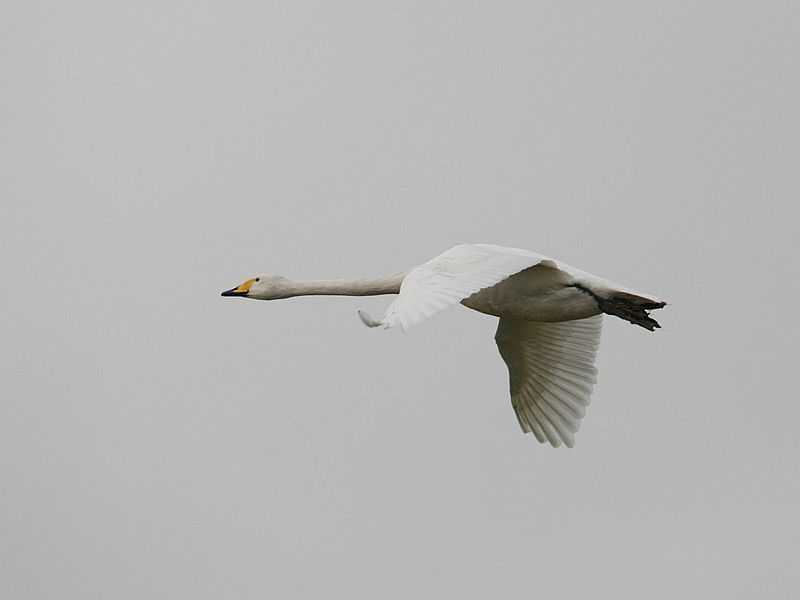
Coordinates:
x,y
550,319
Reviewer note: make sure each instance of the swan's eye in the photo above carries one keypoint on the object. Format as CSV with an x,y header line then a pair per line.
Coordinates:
x,y
258,279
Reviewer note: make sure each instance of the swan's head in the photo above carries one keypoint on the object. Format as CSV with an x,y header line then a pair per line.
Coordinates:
x,y
261,287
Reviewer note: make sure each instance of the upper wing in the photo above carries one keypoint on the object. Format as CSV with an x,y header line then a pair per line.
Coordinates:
x,y
451,277
551,368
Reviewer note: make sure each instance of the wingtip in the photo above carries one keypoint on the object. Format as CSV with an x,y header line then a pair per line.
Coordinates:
x,y
367,320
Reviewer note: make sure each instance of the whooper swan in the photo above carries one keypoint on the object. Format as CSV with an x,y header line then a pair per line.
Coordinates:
x,y
550,320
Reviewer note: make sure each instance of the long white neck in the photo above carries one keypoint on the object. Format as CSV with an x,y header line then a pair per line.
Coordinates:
x,y
362,286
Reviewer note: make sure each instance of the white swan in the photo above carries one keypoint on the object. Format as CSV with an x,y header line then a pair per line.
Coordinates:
x,y
550,320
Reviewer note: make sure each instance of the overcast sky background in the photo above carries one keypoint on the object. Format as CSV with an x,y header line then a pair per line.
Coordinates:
x,y
162,442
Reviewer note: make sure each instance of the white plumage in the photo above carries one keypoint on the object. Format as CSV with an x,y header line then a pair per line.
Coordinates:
x,y
452,276
551,368
549,329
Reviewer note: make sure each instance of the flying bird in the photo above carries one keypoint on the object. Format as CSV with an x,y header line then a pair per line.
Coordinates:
x,y
550,320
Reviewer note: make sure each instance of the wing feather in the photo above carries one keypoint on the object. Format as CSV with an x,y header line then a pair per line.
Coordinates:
x,y
551,371
452,276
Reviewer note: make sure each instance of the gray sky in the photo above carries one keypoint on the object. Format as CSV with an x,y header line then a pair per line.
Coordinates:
x,y
162,442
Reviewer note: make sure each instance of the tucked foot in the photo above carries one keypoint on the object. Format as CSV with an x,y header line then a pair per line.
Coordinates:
x,y
635,312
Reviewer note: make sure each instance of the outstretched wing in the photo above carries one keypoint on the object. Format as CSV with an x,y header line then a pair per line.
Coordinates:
x,y
551,368
450,277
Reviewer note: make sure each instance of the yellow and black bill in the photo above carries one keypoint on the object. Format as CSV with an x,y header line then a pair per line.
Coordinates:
x,y
240,290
